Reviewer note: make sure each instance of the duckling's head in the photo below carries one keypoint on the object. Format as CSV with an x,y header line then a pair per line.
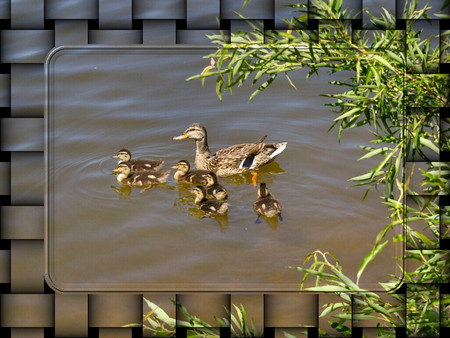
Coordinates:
x,y
124,167
195,131
211,179
123,154
199,192
263,191
182,166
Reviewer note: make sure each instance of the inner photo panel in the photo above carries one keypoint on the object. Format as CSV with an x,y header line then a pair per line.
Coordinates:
x,y
102,236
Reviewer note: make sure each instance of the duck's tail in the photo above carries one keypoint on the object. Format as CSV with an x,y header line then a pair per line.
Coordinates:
x,y
280,148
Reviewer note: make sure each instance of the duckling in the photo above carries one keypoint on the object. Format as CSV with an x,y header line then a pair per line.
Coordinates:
x,y
185,175
266,204
139,164
214,189
138,179
210,207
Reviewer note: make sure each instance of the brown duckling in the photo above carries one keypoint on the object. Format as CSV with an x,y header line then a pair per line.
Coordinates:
x,y
266,204
126,176
184,173
210,207
139,164
213,188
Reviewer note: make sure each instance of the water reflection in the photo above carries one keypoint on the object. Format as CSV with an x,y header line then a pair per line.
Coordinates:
x,y
222,220
272,222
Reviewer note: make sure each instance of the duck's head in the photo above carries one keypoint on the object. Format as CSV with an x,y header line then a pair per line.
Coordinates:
x,y
200,192
182,166
123,154
263,191
195,131
124,167
211,178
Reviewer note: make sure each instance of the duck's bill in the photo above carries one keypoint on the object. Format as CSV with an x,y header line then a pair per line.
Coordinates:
x,y
115,171
174,167
115,156
181,137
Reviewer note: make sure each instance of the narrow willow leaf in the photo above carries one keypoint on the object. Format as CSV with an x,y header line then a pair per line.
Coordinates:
x,y
347,114
288,335
358,70
374,152
262,87
427,143
219,86
396,57
352,286
368,258
327,288
332,307
290,81
238,311
220,321
378,308
377,77
237,67
424,239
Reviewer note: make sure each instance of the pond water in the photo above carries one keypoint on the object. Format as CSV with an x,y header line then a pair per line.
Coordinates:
x,y
103,237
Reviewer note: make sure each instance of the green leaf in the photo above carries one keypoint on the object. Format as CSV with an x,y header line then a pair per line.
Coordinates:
x,y
288,335
219,86
327,288
368,258
429,144
347,114
262,87
375,152
424,239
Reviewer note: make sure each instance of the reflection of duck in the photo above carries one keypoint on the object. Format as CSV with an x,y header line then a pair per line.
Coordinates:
x,y
236,159
266,204
210,207
139,179
214,189
185,175
139,164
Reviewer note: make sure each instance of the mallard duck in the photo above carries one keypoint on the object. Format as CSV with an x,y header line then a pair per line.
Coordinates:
x,y
266,204
210,207
139,164
139,179
236,159
213,188
185,175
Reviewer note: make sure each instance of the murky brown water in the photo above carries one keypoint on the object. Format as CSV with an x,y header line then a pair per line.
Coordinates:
x,y
102,239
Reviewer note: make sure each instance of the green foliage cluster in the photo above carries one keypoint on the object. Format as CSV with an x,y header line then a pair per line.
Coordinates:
x,y
394,94
393,69
159,324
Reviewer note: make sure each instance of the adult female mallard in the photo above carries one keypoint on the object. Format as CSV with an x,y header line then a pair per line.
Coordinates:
x,y
210,207
139,164
236,159
266,204
184,173
213,188
139,179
